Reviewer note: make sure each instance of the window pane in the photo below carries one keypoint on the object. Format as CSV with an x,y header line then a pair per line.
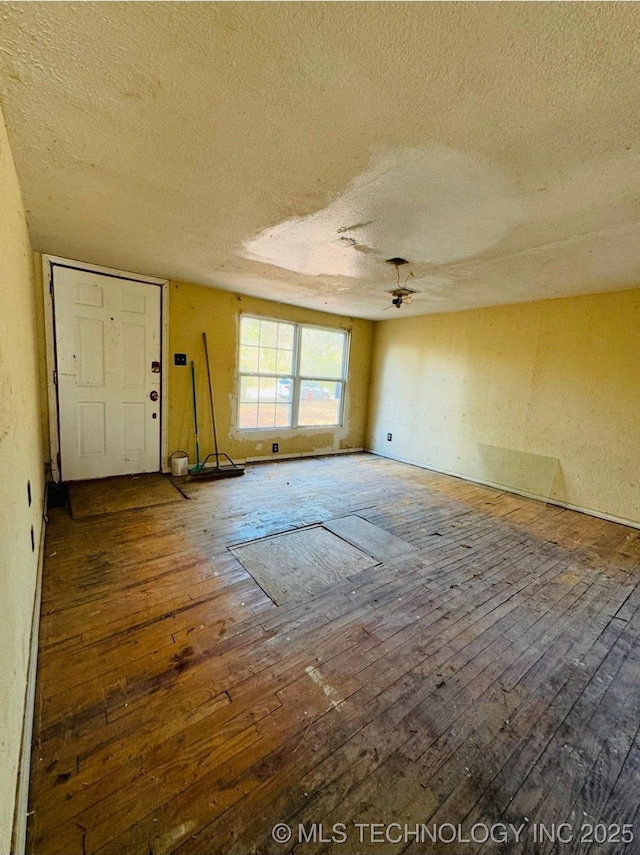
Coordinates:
x,y
248,358
284,363
268,360
260,405
284,387
268,334
285,336
249,331
266,415
247,415
258,389
283,415
272,415
322,353
267,389
319,403
249,387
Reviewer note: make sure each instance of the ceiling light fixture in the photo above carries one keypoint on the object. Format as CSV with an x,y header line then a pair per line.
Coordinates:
x,y
400,294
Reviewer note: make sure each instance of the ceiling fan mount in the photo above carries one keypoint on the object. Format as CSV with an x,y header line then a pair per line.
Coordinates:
x,y
401,294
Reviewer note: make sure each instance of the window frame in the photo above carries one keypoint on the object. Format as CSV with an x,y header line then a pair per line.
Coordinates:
x,y
297,378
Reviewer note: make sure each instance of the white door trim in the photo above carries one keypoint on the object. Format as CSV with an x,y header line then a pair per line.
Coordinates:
x,y
48,261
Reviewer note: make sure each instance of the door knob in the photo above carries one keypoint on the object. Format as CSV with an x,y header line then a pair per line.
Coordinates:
x,y
154,395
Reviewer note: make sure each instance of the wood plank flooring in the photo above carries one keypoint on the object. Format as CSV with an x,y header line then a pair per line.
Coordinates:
x,y
489,676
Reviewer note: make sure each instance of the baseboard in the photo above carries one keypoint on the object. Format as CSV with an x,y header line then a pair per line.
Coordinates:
x,y
20,816
284,456
548,501
296,454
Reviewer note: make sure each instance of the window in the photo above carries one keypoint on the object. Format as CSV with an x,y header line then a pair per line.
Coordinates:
x,y
290,375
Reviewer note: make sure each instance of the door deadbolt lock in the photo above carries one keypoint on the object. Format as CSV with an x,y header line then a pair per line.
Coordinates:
x,y
154,395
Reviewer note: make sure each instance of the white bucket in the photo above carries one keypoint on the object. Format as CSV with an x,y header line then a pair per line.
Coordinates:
x,y
179,466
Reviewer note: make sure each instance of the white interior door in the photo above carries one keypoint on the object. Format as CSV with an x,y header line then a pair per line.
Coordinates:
x,y
107,338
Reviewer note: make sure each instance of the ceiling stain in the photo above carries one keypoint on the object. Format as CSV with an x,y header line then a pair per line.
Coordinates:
x,y
354,227
432,205
235,144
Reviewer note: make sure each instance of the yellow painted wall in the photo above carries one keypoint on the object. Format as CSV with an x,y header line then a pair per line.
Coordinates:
x,y
194,309
21,461
498,394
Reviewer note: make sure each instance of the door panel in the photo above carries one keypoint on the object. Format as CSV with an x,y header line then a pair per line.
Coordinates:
x,y
92,429
133,427
107,337
90,355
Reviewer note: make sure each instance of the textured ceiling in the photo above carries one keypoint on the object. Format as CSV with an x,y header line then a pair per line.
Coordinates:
x,y
285,150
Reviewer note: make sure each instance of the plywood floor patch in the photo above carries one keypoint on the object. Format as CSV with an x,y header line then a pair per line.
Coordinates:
x,y
370,538
299,564
124,493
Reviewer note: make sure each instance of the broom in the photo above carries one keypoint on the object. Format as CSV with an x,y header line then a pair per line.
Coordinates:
x,y
201,470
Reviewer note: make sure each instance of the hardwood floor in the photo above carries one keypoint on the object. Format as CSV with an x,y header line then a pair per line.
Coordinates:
x,y
489,676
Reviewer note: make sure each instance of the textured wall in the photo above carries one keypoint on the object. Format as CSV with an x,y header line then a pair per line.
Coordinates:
x,y
20,463
496,394
195,309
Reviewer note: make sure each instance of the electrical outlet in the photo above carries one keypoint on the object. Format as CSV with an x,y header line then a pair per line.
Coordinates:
x,y
179,358
389,437
274,448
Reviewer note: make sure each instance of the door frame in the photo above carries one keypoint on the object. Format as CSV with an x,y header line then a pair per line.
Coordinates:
x,y
48,263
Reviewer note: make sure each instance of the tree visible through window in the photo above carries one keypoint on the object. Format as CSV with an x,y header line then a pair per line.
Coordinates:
x,y
290,375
